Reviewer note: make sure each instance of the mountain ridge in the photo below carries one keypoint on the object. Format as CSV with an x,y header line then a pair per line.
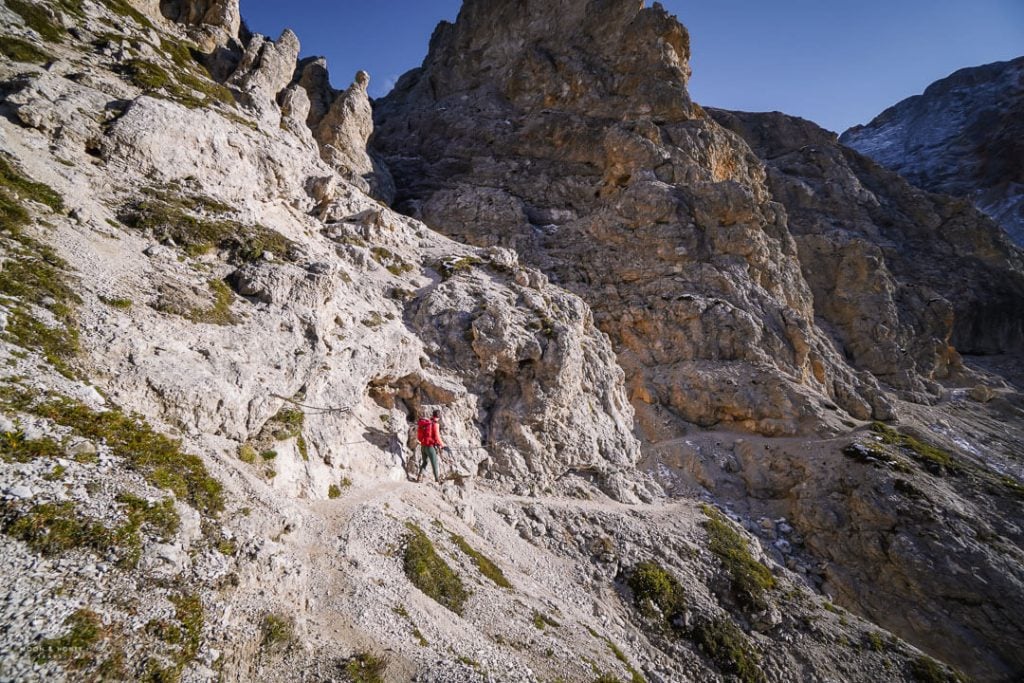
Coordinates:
x,y
216,331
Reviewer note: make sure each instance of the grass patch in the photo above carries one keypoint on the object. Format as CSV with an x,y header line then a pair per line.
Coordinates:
x,y
188,610
924,669
78,648
159,519
431,574
15,447
123,9
286,424
277,631
333,491
934,460
33,275
55,528
542,621
147,76
483,563
365,667
24,188
391,261
197,224
185,636
220,312
657,594
154,80
634,675
38,18
156,457
56,474
1014,486
18,50
452,266
750,579
114,302
247,454
725,645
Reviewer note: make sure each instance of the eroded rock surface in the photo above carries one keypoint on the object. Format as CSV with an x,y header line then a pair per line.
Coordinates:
x,y
962,137
214,340
877,253
670,226
557,139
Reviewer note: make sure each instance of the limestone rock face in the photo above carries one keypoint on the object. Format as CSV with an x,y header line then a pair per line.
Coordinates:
x,y
266,66
603,58
213,23
655,214
961,137
877,253
342,123
676,233
218,13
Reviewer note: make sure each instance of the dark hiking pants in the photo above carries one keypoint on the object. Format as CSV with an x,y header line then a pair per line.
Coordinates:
x,y
430,452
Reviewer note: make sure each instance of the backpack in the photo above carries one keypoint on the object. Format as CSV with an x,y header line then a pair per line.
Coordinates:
x,y
423,432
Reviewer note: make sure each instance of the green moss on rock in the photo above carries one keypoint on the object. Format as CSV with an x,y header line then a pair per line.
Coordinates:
x,y
18,50
482,562
750,579
156,457
431,574
219,313
197,225
654,587
932,458
39,18
726,645
55,528
15,447
365,667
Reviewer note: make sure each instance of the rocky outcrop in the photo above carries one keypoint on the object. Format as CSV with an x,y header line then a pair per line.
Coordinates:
x,y
342,123
266,67
570,137
877,253
665,222
960,137
222,14
214,341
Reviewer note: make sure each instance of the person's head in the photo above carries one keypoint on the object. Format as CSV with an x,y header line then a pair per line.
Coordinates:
x,y
436,415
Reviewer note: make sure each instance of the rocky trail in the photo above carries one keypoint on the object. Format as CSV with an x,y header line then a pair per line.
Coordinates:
x,y
720,410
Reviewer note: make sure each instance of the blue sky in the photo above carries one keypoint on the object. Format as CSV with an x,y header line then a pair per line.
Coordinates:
x,y
836,63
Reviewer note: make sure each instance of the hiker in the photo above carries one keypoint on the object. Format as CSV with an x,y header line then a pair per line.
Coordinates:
x,y
428,433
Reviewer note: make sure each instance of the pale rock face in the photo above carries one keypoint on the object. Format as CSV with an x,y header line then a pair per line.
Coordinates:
x,y
342,123
877,254
359,318
960,137
671,228
213,23
653,213
266,66
217,13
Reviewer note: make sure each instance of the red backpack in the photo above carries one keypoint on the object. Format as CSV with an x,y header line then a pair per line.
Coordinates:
x,y
423,432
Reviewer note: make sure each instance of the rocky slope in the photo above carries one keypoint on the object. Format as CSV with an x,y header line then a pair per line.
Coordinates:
x,y
547,139
960,137
215,334
750,272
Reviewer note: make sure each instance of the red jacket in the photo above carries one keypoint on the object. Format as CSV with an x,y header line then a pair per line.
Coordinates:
x,y
435,434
